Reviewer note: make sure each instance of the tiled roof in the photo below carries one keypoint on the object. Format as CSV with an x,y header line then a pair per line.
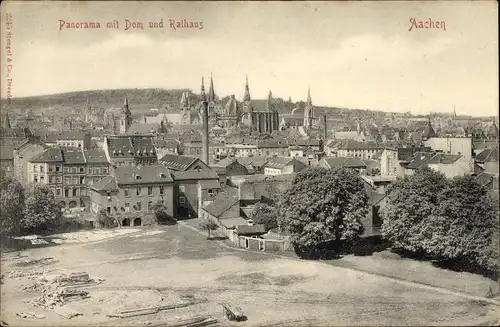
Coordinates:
x,y
49,155
407,154
487,155
108,183
66,135
255,161
272,143
131,147
209,184
346,135
257,229
349,144
279,162
73,156
223,202
232,222
260,178
337,163
377,155
177,162
226,161
486,178
444,158
166,143
371,164
151,174
142,128
419,159
95,156
6,152
194,175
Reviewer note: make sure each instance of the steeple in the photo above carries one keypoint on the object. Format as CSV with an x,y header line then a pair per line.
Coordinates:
x,y
203,97
211,92
308,111
309,101
125,103
269,99
246,97
429,130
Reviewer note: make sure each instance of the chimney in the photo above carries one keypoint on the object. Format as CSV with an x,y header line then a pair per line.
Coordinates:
x,y
325,127
204,113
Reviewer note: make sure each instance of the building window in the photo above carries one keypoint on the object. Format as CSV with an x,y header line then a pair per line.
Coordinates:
x,y
138,191
66,169
73,169
75,192
139,206
210,191
58,168
42,179
51,168
125,192
66,193
182,200
82,180
35,179
59,179
51,179
34,168
82,169
58,191
150,205
162,190
127,207
150,190
105,170
89,170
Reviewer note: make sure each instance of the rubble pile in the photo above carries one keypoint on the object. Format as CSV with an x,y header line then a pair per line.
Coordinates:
x,y
58,297
29,274
30,262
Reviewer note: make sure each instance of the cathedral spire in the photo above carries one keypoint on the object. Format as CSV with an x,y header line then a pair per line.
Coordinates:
x,y
211,91
309,101
246,97
202,93
269,99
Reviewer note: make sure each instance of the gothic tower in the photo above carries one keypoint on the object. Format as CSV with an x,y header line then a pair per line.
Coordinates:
x,y
125,117
88,111
211,98
203,97
246,98
308,112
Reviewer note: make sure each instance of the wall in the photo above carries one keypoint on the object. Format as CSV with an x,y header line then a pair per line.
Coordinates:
x,y
257,190
462,166
453,145
21,158
118,200
491,167
190,194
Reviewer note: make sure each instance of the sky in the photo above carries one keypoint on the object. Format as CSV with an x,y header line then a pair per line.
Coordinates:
x,y
350,54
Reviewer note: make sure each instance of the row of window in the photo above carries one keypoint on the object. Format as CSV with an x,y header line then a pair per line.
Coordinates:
x,y
150,191
70,192
137,162
136,207
79,169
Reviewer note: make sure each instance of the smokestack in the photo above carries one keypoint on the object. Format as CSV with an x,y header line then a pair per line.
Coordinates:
x,y
204,114
325,127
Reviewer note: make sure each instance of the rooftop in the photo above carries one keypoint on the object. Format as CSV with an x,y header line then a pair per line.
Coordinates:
x,y
150,174
177,162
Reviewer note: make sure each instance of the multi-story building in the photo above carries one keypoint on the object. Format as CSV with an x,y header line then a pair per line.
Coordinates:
x,y
133,192
349,148
7,160
97,165
68,139
74,173
177,162
451,165
392,160
130,150
23,154
283,165
47,168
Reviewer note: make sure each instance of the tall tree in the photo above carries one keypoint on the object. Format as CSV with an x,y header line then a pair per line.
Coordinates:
x,y
209,225
411,203
323,205
265,214
464,223
41,212
11,208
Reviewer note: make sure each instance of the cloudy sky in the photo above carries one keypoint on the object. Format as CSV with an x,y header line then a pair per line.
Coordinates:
x,y
356,54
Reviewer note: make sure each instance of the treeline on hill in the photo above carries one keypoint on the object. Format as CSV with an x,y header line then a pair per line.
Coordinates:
x,y
454,222
157,98
26,211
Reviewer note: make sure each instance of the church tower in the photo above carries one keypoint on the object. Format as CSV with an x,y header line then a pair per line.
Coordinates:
x,y
211,98
308,112
88,111
125,117
246,97
203,97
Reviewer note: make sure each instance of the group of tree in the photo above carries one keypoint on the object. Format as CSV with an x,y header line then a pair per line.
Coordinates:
x,y
26,211
322,206
452,220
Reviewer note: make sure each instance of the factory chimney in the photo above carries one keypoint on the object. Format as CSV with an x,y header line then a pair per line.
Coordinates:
x,y
204,113
325,127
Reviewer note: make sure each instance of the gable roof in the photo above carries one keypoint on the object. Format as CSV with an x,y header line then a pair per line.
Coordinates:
x,y
142,128
49,155
337,163
131,146
419,159
487,155
95,156
194,175
223,202
108,183
209,184
281,162
177,162
150,174
257,229
444,159
73,156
